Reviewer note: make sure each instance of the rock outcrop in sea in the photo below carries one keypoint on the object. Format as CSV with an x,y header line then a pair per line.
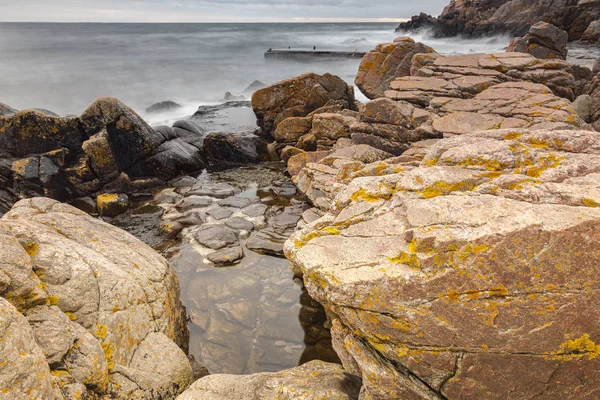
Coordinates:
x,y
488,17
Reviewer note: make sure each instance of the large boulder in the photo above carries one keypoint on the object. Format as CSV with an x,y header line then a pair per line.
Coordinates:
x,y
471,274
221,147
464,76
99,310
298,97
311,381
385,63
592,33
485,17
109,144
543,40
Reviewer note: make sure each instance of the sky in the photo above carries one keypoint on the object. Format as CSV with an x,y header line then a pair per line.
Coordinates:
x,y
215,10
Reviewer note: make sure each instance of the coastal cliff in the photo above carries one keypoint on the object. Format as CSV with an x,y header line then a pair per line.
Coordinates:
x,y
488,17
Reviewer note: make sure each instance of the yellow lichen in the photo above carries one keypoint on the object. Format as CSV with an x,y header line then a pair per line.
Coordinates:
x,y
577,349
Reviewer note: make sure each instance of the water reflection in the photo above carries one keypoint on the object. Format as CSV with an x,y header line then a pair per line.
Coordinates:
x,y
254,316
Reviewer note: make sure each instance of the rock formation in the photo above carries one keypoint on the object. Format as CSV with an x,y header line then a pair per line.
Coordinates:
x,y
465,76
478,258
88,310
486,17
312,381
543,40
385,63
298,97
108,146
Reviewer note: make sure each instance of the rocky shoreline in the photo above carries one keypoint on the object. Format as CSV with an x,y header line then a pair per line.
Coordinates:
x,y
442,237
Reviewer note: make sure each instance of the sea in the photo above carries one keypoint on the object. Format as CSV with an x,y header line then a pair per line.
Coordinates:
x,y
65,67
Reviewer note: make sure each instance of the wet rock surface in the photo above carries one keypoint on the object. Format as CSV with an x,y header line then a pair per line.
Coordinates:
x,y
247,312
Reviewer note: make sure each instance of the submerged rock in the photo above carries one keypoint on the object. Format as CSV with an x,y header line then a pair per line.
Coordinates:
x,y
427,265
163,106
311,381
96,311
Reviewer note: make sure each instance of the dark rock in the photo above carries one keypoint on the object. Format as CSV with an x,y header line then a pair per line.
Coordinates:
x,y
183,181
163,106
254,86
216,237
544,41
394,148
226,256
171,229
488,17
235,148
191,219
86,204
232,116
228,96
112,205
6,110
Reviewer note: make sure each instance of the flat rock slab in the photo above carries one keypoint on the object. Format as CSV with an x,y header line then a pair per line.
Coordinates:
x,y
220,213
255,210
219,190
226,256
267,241
240,224
216,237
236,202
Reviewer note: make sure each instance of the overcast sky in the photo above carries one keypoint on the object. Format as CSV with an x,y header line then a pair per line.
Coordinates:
x,y
214,10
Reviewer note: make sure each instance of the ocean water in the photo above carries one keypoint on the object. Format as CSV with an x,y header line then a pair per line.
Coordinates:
x,y
65,67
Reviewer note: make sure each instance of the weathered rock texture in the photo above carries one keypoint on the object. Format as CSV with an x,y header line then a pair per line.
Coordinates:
x,y
312,381
485,17
108,146
470,274
543,40
464,76
385,63
93,311
298,97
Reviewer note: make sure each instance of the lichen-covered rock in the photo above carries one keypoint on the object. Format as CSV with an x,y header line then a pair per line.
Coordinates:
x,y
385,63
311,381
112,204
465,76
470,274
24,372
298,97
102,307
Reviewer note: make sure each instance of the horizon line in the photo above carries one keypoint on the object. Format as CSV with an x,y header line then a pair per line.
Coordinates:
x,y
295,21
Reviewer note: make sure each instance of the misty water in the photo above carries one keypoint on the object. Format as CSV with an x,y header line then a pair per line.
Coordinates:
x,y
253,316
64,67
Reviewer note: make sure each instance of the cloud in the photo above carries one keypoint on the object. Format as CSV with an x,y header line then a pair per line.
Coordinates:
x,y
213,10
